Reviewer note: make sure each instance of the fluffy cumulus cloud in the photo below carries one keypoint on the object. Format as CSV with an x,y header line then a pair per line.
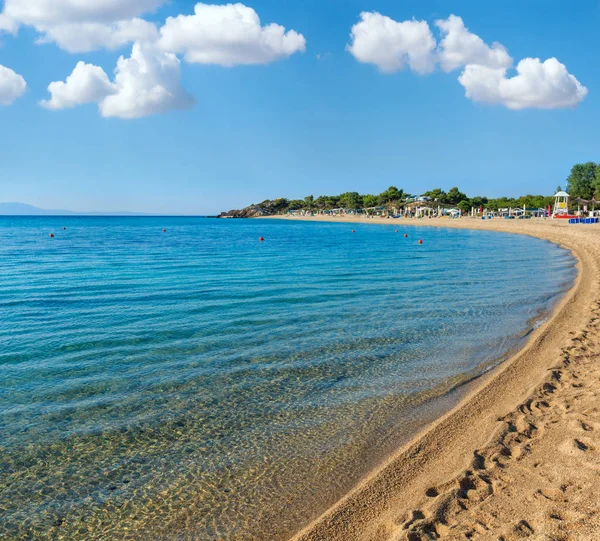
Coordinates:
x,y
12,85
80,25
87,84
228,35
459,47
91,36
146,83
8,25
149,81
52,12
542,85
392,45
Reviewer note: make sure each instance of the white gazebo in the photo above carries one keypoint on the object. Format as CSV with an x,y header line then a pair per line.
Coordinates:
x,y
561,204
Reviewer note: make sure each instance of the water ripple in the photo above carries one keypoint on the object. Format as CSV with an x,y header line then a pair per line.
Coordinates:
x,y
197,384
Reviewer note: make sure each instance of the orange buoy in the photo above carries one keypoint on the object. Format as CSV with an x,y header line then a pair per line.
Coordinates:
x,y
420,241
51,235
261,239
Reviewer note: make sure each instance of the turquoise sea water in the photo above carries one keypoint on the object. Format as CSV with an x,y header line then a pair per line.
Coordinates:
x,y
200,384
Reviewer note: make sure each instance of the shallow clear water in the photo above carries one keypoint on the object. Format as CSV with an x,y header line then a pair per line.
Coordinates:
x,y
199,384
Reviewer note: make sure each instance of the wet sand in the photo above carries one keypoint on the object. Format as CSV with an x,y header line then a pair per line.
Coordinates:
x,y
519,456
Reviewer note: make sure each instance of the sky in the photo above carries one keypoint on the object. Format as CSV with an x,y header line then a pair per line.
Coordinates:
x,y
179,107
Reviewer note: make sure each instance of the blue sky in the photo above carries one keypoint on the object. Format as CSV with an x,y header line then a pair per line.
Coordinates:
x,y
300,115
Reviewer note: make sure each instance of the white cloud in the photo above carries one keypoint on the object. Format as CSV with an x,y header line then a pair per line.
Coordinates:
x,y
460,47
542,85
392,45
8,25
82,25
228,35
87,84
88,36
12,86
55,12
146,83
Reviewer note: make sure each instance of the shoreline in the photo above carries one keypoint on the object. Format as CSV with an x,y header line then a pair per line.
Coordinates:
x,y
419,491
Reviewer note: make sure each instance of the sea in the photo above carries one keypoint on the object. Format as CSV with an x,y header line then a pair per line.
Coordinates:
x,y
179,379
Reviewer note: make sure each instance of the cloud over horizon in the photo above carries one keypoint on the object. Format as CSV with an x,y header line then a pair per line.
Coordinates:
x,y
12,85
459,47
79,27
392,46
146,83
540,85
228,35
149,81
233,35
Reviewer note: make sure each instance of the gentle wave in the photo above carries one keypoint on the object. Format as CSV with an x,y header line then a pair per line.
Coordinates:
x,y
198,384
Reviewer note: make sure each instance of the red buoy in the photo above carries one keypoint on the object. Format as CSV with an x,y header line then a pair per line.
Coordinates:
x,y
51,235
261,239
420,241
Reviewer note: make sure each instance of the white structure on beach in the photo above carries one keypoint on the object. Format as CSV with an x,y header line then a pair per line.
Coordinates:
x,y
561,204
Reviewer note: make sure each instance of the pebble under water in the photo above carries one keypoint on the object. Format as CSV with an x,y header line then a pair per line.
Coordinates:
x,y
198,384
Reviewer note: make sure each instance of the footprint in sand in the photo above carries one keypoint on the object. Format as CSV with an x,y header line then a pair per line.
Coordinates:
x,y
575,447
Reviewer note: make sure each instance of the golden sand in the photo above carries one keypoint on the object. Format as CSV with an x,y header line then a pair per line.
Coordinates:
x,y
519,456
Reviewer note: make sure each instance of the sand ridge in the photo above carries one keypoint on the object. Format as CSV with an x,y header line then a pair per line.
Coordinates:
x,y
519,456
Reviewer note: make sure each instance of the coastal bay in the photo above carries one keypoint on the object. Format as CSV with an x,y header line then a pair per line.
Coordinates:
x,y
181,377
517,457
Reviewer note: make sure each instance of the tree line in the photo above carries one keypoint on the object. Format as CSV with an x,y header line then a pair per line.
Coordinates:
x,y
395,197
583,182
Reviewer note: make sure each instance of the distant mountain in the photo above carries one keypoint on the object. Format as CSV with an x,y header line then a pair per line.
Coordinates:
x,y
22,209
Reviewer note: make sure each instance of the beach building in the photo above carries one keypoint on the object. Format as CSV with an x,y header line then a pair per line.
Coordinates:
x,y
561,205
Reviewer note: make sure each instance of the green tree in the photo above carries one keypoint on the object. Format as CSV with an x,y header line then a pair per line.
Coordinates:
x,y
455,196
596,182
327,202
437,194
351,200
370,201
295,204
581,181
391,195
309,202
280,205
464,206
479,201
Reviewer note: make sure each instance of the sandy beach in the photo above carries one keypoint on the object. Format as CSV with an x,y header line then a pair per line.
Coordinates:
x,y
519,456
